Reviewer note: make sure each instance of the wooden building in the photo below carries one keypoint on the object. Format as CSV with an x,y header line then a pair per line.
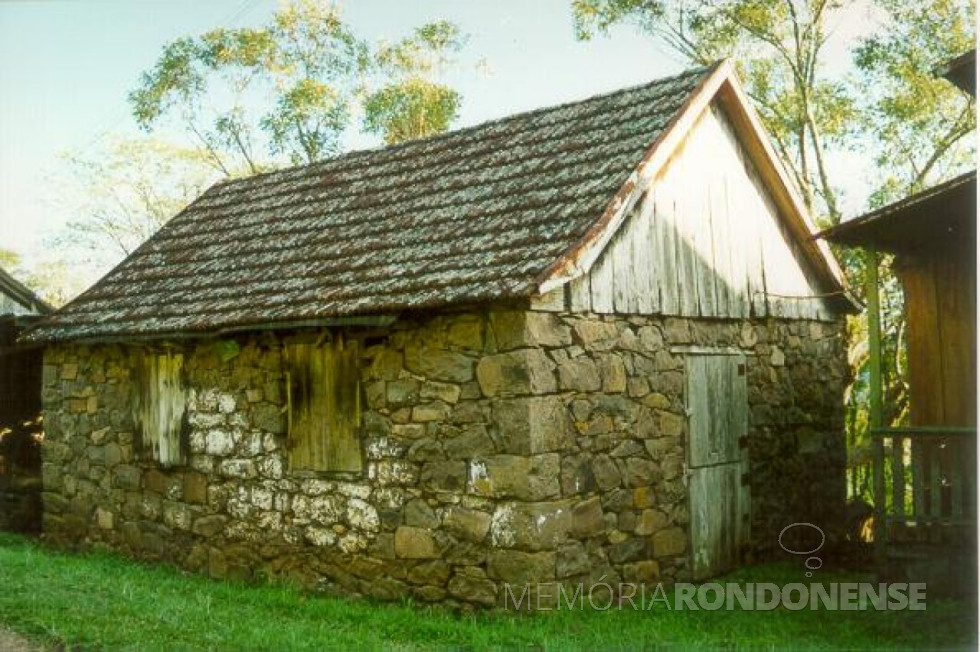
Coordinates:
x,y
20,407
594,339
925,473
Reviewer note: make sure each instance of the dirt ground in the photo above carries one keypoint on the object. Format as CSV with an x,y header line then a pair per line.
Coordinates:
x,y
11,642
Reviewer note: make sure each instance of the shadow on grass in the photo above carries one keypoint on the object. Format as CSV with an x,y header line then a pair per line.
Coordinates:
x,y
96,600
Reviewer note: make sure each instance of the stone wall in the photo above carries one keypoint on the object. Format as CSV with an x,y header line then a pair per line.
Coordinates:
x,y
500,447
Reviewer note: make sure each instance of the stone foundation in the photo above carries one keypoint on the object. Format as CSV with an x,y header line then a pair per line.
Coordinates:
x,y
499,447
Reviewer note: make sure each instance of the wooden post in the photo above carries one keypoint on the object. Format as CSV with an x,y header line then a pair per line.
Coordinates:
x,y
874,409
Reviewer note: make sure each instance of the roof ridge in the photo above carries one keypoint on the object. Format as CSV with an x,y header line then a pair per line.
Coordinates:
x,y
454,133
533,183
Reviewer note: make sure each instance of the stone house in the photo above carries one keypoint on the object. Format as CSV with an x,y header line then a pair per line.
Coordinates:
x,y
590,341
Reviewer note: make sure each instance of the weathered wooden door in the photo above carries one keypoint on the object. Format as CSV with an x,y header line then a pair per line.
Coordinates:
x,y
717,408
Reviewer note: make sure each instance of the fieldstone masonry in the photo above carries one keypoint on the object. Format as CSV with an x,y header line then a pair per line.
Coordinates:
x,y
500,446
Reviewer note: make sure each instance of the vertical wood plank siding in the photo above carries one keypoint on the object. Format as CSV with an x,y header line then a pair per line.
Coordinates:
x,y
706,240
325,406
717,405
159,402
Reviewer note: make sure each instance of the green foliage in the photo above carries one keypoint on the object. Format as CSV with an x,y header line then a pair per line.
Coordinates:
x,y
9,259
289,89
599,16
307,121
408,105
778,47
173,79
102,601
918,123
115,196
914,126
414,108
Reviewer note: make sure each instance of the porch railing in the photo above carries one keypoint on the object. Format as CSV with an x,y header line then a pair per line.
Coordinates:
x,y
924,476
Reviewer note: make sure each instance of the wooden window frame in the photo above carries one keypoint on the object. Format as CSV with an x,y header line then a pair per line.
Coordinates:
x,y
324,404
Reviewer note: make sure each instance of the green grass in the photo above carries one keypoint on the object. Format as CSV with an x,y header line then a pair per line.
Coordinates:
x,y
105,601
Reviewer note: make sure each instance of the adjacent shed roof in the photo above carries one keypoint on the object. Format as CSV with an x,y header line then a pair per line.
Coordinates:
x,y
485,213
943,213
962,71
23,295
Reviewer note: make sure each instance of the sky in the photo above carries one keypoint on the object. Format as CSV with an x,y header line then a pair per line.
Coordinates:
x,y
66,67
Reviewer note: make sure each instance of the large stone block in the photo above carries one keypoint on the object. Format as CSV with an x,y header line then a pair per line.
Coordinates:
x,y
438,364
419,514
466,333
579,375
516,373
468,524
634,549
613,372
606,473
470,584
473,441
571,560
208,526
512,476
270,418
596,335
126,477
515,329
531,526
520,568
415,543
524,426
195,487
444,476
586,519
403,392
434,572
670,542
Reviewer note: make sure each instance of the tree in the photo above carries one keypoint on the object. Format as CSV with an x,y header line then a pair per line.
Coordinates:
x,y
251,96
9,259
117,197
121,196
893,105
778,47
918,123
49,278
410,105
914,125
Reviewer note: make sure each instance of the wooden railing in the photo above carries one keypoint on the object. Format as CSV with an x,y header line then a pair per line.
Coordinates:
x,y
924,476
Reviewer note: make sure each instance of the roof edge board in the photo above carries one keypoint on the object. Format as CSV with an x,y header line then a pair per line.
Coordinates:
x,y
787,196
579,259
349,321
721,84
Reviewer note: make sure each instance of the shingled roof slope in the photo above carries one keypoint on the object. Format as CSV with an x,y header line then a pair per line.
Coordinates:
x,y
469,216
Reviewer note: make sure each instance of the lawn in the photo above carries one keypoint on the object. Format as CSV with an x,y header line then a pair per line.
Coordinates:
x,y
105,601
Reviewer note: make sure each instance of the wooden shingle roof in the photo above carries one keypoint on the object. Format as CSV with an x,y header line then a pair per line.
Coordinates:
x,y
469,216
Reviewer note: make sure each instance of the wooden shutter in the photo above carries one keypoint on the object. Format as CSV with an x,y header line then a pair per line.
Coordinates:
x,y
158,406
324,405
